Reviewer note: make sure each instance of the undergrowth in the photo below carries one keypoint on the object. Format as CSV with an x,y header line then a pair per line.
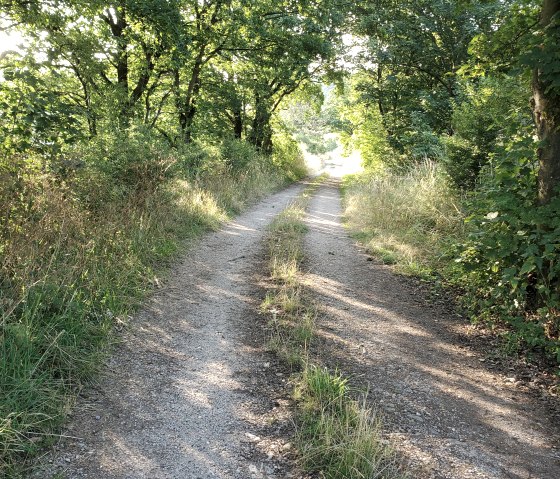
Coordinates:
x,y
338,436
79,252
496,248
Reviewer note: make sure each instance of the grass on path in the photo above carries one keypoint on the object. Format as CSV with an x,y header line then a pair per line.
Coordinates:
x,y
338,435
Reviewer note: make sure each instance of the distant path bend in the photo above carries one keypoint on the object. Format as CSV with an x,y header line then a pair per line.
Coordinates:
x,y
446,411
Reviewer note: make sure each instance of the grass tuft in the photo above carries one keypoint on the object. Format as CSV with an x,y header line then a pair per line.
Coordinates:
x,y
338,435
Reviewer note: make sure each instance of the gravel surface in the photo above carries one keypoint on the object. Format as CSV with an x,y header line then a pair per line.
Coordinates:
x,y
447,412
191,394
178,401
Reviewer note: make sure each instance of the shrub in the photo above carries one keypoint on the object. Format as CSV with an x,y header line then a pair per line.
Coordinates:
x,y
482,125
136,158
508,264
288,158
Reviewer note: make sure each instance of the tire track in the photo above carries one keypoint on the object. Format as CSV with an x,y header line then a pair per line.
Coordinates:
x,y
447,413
174,402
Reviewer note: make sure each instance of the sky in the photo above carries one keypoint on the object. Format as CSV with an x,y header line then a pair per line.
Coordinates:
x,y
9,41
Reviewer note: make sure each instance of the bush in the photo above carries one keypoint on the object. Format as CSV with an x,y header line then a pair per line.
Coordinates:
x,y
463,161
288,157
238,154
508,265
482,126
136,159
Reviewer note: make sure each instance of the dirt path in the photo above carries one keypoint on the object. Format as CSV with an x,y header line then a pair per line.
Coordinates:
x,y
448,413
190,394
178,402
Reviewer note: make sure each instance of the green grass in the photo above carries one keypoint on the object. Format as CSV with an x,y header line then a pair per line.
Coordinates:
x,y
338,436
70,275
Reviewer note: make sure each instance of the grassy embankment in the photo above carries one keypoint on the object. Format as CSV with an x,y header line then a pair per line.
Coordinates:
x,y
496,256
338,435
80,253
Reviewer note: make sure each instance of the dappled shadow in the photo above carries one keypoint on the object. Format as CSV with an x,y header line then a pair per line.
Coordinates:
x,y
445,409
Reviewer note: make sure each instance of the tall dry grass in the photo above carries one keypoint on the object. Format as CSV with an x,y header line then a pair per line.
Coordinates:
x,y
407,219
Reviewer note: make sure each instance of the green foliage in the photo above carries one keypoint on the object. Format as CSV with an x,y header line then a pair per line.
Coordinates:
x,y
305,120
451,81
136,159
288,157
78,253
492,110
508,265
33,115
414,51
543,55
361,126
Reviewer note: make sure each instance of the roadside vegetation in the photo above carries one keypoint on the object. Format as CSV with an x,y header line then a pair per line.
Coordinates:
x,y
74,267
408,219
458,125
338,435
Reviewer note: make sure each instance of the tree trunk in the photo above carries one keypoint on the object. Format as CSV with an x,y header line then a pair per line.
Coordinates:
x,y
261,132
190,114
237,119
546,111
181,114
116,19
186,105
237,124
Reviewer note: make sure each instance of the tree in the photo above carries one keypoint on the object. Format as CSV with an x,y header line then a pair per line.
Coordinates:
x,y
546,101
414,52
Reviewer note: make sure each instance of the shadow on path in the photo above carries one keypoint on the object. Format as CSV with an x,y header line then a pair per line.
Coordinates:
x,y
446,411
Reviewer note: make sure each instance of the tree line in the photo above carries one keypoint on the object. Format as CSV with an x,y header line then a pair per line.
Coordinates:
x,y
186,69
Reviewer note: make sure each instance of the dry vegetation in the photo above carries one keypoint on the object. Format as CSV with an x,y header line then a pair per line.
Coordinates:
x,y
405,219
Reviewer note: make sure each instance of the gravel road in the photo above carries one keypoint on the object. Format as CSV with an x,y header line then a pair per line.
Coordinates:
x,y
184,393
176,402
448,413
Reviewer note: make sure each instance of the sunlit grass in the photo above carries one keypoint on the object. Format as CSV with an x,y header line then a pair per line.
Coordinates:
x,y
405,219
